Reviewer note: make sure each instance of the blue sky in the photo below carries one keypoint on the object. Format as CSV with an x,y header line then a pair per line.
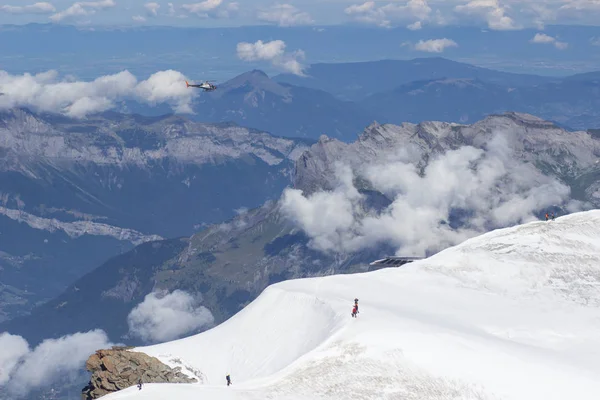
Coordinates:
x,y
416,14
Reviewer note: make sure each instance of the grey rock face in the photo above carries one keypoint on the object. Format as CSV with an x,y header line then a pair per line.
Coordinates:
x,y
571,156
118,369
73,193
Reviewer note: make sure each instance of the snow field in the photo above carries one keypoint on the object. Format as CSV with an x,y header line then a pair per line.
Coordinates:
x,y
511,314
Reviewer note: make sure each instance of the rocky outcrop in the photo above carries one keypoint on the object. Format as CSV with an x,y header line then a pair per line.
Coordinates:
x,y
526,139
118,368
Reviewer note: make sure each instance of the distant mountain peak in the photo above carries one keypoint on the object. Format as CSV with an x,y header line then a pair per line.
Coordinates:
x,y
257,72
255,76
324,139
523,119
255,80
19,120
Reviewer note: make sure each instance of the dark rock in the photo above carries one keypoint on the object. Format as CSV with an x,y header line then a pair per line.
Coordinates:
x,y
119,368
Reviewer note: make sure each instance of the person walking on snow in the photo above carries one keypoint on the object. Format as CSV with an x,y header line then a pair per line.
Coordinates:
x,y
228,380
354,311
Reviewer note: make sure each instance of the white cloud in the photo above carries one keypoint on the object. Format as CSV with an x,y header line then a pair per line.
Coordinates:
x,y
541,14
285,15
203,7
435,45
229,10
82,8
23,369
138,18
385,16
415,26
152,8
173,12
542,38
260,50
163,317
491,11
37,8
212,9
595,41
491,187
578,12
561,45
579,7
45,92
273,51
14,348
166,87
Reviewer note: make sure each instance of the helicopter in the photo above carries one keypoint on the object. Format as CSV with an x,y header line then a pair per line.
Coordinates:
x,y
207,86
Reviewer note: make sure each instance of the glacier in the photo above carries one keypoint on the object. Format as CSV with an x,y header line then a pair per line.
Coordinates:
x,y
510,314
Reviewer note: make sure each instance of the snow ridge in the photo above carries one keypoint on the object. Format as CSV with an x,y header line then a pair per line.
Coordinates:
x,y
511,314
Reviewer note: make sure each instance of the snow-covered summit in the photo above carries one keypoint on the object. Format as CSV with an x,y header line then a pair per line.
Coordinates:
x,y
511,314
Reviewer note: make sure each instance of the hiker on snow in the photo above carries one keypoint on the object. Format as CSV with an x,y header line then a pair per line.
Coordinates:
x,y
354,311
228,380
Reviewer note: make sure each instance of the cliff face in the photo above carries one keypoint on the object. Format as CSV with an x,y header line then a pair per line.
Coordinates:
x,y
118,369
571,157
76,192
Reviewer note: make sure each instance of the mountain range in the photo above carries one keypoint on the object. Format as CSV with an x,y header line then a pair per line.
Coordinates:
x,y
438,89
519,166
340,100
358,80
75,192
97,214
570,103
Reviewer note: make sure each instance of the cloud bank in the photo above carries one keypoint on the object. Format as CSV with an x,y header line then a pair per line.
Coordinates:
x,y
274,52
542,38
82,8
46,92
491,11
36,8
211,9
285,15
435,45
23,369
152,9
162,317
387,15
500,15
482,190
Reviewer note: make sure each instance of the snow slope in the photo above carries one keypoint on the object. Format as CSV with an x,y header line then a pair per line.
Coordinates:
x,y
511,314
